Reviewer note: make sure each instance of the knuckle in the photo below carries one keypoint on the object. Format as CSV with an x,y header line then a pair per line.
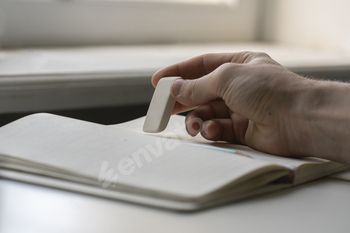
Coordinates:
x,y
192,87
189,89
222,78
206,108
249,56
261,55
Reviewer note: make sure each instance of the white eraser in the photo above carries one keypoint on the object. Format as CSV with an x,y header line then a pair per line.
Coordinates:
x,y
161,107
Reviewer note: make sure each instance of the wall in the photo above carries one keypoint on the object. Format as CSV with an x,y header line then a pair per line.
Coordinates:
x,y
311,23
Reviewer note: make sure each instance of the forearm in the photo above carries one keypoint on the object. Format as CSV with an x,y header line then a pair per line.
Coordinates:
x,y
322,128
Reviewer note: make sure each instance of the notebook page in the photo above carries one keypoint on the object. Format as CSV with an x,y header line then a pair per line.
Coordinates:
x,y
176,130
115,156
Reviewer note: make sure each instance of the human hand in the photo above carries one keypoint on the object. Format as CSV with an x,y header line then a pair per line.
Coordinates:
x,y
244,98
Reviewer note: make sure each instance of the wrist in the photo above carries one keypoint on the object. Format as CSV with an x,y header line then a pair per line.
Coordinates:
x,y
320,120
293,118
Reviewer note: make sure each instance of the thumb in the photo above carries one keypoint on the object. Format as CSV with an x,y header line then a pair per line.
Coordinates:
x,y
193,92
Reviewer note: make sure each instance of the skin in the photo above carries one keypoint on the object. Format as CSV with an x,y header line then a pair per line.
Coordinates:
x,y
248,98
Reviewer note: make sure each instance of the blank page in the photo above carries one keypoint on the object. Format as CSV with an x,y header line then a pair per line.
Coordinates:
x,y
85,148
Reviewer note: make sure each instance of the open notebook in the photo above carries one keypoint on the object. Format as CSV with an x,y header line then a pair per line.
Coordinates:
x,y
168,170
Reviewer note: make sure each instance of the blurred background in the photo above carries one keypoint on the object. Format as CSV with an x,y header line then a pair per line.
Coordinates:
x,y
93,59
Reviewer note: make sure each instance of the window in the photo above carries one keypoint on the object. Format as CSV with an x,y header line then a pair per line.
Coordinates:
x,y
96,22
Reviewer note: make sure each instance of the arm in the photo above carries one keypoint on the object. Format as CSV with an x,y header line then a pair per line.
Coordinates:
x,y
250,99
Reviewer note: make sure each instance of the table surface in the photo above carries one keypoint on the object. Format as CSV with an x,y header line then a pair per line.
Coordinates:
x,y
319,206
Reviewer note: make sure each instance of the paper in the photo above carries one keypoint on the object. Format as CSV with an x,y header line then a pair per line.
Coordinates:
x,y
124,158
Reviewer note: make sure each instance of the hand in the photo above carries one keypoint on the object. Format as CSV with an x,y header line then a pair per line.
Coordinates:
x,y
250,99
240,97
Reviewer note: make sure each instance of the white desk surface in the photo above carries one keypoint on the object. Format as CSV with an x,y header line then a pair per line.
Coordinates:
x,y
319,206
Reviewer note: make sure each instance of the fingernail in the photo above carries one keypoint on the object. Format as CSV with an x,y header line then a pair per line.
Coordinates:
x,y
177,86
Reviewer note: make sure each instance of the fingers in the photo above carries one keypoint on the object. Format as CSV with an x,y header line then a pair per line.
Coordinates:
x,y
207,88
217,123
194,120
193,68
194,92
216,130
211,110
178,108
219,130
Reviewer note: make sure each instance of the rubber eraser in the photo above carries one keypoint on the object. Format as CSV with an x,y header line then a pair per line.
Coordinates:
x,y
161,107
